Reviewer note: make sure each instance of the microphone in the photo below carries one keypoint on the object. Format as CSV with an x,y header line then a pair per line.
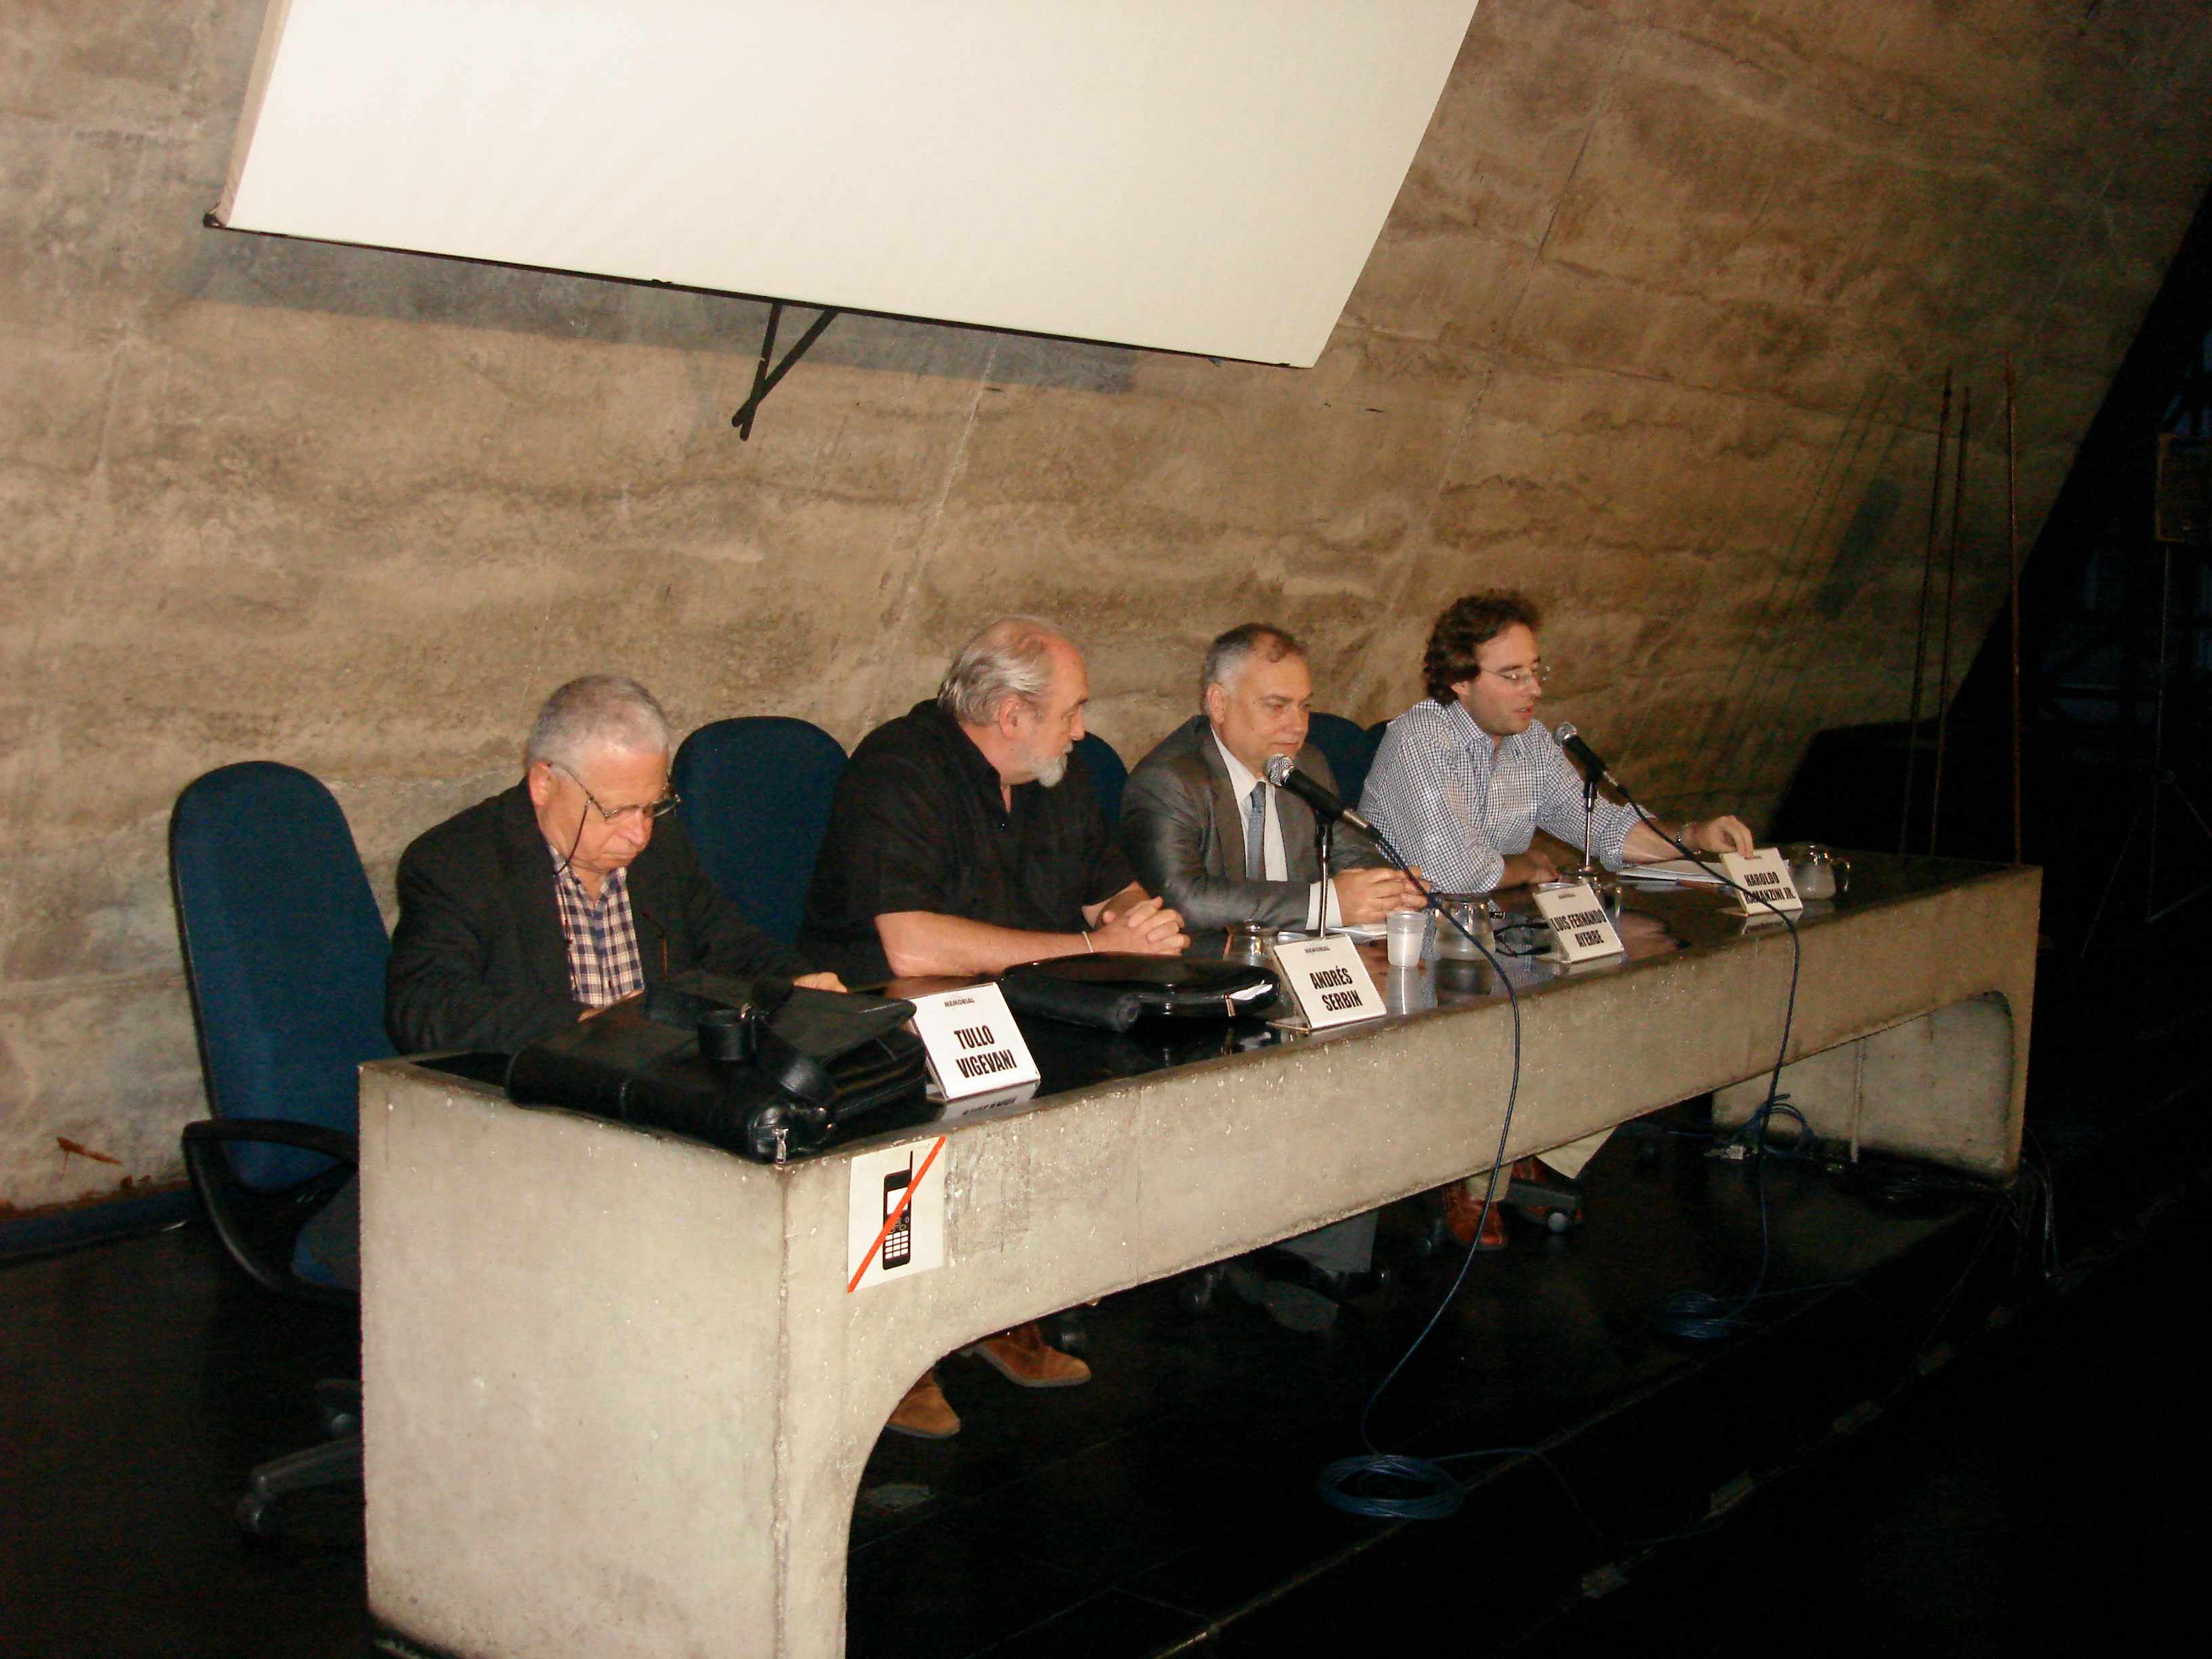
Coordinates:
x,y
1570,740
640,911
1285,775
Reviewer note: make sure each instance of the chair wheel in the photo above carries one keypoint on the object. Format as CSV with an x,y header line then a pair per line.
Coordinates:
x,y
256,1516
338,1399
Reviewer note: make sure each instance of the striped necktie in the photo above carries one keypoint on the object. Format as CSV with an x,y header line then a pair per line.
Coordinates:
x,y
1255,834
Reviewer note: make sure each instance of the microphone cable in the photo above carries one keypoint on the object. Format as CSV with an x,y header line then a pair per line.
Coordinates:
x,y
1425,1489
1700,1315
1422,1489
636,909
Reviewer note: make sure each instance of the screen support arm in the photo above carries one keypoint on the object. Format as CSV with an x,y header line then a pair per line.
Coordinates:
x,y
765,379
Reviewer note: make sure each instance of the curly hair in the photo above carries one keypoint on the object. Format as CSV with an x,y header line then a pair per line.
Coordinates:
x,y
1468,624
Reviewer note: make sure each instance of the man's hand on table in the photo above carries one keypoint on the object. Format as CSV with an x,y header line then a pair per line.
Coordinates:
x,y
1528,870
1146,928
1725,834
1365,896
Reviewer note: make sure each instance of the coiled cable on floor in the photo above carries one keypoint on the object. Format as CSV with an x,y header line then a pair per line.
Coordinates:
x,y
1428,1492
1424,1489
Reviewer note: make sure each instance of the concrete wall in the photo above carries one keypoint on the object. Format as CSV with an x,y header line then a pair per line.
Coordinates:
x,y
1655,330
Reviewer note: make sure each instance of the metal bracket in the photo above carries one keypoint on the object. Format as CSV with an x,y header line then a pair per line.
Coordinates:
x,y
764,378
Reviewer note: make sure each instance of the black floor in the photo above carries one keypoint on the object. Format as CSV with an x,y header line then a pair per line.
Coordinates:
x,y
1923,1436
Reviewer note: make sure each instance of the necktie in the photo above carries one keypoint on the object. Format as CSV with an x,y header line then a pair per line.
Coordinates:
x,y
1255,834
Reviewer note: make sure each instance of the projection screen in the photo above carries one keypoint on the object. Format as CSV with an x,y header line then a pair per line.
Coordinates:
x,y
1197,175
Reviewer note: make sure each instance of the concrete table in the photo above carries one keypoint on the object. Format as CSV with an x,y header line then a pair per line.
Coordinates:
x,y
619,1396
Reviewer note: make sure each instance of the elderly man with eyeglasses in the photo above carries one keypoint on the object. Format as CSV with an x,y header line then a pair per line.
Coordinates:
x,y
1464,780
565,894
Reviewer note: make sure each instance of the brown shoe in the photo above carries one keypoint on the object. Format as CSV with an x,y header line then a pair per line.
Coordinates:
x,y
925,1413
1023,1356
1463,1213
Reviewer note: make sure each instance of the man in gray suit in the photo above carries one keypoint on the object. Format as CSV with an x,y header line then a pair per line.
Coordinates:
x,y
1193,805
1218,843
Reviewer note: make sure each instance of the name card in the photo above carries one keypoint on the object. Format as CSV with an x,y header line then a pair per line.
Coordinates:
x,y
1581,930
1764,873
1329,982
973,1043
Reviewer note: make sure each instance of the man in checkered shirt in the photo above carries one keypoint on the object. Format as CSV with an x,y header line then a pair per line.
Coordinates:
x,y
1467,776
569,892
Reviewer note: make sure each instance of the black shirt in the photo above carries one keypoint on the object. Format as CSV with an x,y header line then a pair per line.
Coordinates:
x,y
918,825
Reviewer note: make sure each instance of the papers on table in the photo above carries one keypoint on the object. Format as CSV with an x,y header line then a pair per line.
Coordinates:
x,y
1674,873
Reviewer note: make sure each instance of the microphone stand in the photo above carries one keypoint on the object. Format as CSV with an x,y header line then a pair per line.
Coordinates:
x,y
1590,817
1324,831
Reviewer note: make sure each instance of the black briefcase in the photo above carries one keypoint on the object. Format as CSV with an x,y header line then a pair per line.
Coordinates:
x,y
763,1068
1113,990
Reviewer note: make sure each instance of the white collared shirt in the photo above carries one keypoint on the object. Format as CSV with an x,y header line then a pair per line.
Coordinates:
x,y
1274,864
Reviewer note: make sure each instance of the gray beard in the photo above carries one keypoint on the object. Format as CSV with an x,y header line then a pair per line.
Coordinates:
x,y
1049,772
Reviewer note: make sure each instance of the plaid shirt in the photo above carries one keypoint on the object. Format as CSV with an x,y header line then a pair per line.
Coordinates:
x,y
1456,803
604,963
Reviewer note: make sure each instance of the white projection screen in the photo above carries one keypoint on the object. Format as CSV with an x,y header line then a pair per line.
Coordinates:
x,y
1197,175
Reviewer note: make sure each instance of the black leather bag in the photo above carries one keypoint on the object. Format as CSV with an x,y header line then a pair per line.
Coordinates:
x,y
1113,990
762,1068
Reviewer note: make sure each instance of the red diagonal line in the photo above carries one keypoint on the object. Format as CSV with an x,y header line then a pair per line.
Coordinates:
x,y
892,1219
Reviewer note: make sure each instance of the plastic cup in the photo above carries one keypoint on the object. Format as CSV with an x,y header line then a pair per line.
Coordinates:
x,y
1404,932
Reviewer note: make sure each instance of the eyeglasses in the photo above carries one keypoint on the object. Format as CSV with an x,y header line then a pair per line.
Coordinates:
x,y
656,809
1522,678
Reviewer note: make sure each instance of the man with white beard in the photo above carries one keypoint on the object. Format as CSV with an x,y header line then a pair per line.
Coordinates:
x,y
964,840
953,848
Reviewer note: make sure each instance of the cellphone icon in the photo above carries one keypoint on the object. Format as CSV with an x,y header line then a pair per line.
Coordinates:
x,y
898,1244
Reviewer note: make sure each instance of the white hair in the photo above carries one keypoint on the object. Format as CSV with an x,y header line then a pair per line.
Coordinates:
x,y
598,711
1011,658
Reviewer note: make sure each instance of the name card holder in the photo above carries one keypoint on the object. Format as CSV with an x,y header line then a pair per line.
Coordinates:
x,y
969,1105
974,1045
1329,982
1581,930
1764,873
1757,920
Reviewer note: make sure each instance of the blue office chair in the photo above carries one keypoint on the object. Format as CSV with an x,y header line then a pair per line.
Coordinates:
x,y
1349,750
284,952
1108,777
756,793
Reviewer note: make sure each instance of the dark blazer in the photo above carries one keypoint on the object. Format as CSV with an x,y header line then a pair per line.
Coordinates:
x,y
479,958
1184,831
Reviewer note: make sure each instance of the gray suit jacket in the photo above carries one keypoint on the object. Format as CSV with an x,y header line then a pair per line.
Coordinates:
x,y
1184,831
